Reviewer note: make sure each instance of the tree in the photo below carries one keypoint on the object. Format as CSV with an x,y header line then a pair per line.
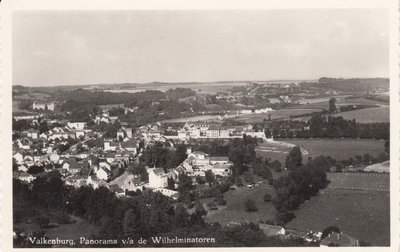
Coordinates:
x,y
248,177
15,165
199,214
294,159
276,165
171,184
34,169
284,217
332,105
267,197
329,230
210,177
250,206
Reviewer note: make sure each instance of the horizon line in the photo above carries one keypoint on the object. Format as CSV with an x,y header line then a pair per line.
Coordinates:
x,y
187,82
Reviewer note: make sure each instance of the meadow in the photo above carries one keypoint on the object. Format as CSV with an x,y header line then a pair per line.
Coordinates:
x,y
339,149
359,181
362,214
234,210
63,231
369,115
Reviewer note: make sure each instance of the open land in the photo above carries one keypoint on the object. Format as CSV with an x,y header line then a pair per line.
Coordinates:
x,y
339,149
234,210
362,214
369,115
74,231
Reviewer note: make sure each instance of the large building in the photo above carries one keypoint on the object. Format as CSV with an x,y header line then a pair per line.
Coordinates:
x,y
44,105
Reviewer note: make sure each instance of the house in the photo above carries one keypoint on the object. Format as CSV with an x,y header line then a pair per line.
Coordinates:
x,y
24,144
157,178
120,134
54,157
127,181
197,155
22,168
224,132
43,105
131,145
103,173
213,132
168,192
27,177
339,240
77,125
95,182
218,160
74,167
223,170
110,157
31,133
43,135
111,145
105,165
271,230
19,158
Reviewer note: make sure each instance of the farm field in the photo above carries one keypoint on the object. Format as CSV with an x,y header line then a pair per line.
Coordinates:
x,y
234,210
369,115
359,181
279,114
362,214
339,149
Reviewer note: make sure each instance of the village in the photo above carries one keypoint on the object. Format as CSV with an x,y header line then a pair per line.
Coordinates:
x,y
105,165
85,156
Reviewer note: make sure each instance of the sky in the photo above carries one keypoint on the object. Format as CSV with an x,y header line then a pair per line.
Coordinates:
x,y
104,47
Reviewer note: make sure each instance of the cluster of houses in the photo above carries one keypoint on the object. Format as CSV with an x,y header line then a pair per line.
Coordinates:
x,y
215,131
44,105
103,165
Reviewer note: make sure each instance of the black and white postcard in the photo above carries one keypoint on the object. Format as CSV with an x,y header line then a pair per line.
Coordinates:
x,y
216,124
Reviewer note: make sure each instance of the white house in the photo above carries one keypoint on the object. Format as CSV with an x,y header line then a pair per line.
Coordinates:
x,y
157,178
103,173
19,158
111,146
44,105
77,125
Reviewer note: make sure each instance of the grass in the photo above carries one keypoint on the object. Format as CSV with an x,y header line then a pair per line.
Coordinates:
x,y
339,149
234,210
364,215
279,114
367,181
63,231
369,115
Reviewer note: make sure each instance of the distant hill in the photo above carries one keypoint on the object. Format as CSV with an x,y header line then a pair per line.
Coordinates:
x,y
356,84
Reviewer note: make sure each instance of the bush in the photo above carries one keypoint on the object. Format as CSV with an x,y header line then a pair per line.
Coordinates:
x,y
250,206
212,206
284,217
220,201
267,197
329,230
248,177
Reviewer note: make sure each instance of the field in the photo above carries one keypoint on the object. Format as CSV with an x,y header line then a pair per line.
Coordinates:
x,y
339,149
234,210
64,231
362,214
207,88
279,114
360,181
369,115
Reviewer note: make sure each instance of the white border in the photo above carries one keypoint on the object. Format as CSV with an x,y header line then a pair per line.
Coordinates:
x,y
6,8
